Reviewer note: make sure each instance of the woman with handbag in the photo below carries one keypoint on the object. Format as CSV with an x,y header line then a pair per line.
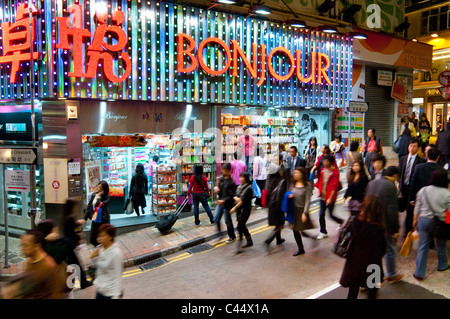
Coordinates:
x,y
98,204
300,193
367,247
431,206
311,156
198,187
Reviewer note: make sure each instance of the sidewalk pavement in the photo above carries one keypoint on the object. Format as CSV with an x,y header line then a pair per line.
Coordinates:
x,y
147,244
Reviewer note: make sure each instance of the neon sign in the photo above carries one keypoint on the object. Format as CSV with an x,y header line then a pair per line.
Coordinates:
x,y
320,62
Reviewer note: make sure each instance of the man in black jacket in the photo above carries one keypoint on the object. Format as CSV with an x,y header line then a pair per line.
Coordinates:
x,y
226,190
422,173
407,166
443,144
294,160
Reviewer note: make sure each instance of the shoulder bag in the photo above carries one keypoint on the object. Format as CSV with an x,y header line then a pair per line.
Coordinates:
x,y
439,229
342,245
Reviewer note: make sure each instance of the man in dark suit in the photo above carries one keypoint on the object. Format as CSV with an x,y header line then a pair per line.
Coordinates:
x,y
422,173
294,160
407,166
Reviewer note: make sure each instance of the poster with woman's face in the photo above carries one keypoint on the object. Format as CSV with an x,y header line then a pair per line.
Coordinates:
x,y
93,178
310,125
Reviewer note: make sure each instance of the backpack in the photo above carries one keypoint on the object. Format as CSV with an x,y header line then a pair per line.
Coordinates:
x,y
397,144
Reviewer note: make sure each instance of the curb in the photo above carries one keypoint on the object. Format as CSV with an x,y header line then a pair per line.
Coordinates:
x,y
141,259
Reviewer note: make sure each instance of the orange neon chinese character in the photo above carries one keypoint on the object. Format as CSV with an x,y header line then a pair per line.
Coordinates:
x,y
95,51
16,40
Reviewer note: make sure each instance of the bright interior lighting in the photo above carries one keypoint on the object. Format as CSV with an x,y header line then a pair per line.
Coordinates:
x,y
435,35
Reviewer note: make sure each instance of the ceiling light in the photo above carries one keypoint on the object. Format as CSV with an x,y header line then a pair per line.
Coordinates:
x,y
327,29
296,23
259,9
358,35
435,35
225,1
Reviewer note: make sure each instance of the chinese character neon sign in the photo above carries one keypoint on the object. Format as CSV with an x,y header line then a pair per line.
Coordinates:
x,y
99,49
16,40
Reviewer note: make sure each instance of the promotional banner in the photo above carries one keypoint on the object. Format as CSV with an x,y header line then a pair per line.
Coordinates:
x,y
357,126
56,182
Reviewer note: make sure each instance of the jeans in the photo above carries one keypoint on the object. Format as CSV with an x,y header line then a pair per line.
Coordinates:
x,y
323,209
196,200
248,163
389,257
425,238
220,210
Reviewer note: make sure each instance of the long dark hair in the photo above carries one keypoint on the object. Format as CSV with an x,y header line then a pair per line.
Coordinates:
x,y
198,174
105,187
362,171
313,138
372,210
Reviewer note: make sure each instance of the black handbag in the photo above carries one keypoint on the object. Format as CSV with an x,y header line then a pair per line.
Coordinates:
x,y
341,246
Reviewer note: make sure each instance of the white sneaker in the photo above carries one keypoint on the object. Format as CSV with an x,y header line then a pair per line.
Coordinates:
x,y
229,240
199,224
322,236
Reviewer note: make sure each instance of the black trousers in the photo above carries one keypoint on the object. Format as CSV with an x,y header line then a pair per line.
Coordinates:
x,y
242,218
409,209
353,292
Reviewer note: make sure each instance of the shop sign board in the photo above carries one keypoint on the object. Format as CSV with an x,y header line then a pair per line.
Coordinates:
x,y
357,106
402,88
17,181
384,78
444,79
26,156
162,51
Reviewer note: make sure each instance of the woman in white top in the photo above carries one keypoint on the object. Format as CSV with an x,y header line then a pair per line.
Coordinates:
x,y
431,202
259,172
109,264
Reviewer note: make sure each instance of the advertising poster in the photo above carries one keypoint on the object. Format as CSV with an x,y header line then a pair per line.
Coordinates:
x,y
357,123
312,124
402,88
92,176
56,180
359,82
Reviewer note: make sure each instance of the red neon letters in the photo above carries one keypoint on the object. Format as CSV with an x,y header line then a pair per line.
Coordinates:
x,y
16,40
95,51
318,65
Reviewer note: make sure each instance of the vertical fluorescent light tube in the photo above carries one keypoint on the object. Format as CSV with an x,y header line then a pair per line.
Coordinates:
x,y
187,116
103,109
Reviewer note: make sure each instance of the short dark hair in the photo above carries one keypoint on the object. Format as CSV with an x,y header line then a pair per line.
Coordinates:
x,y
246,175
372,129
414,141
38,238
391,171
329,157
46,226
338,135
379,157
433,153
354,146
439,178
156,158
107,228
226,166
245,128
294,148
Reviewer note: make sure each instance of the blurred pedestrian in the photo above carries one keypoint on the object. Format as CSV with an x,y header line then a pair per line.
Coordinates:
x,y
371,147
276,187
108,261
243,207
366,249
226,190
299,198
354,155
431,202
294,160
422,173
443,144
356,189
99,199
424,131
260,172
139,189
403,142
198,187
324,150
407,166
329,186
407,124
386,190
378,164
338,149
43,278
311,156
237,167
246,144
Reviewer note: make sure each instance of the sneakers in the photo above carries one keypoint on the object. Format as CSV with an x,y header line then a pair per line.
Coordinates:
x,y
322,236
230,240
199,224
394,279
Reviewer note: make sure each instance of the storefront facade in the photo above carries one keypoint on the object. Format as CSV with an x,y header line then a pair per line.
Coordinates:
x,y
119,81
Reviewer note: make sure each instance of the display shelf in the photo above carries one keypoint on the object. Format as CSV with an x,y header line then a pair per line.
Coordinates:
x,y
164,189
